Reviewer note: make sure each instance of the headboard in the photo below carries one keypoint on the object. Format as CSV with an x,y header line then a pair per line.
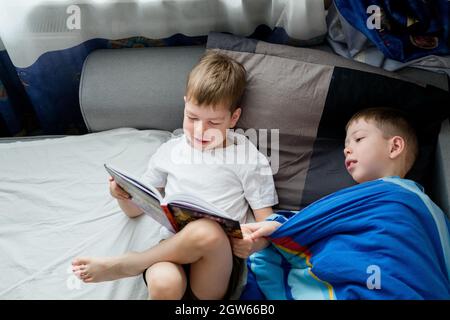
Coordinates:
x,y
141,88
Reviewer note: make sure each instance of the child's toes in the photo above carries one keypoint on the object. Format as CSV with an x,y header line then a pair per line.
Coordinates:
x,y
80,261
77,269
75,262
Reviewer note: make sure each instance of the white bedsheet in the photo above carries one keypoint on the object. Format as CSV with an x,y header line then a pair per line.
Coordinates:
x,y
55,205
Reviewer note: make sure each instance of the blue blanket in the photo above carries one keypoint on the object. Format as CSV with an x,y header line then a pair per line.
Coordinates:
x,y
409,29
383,239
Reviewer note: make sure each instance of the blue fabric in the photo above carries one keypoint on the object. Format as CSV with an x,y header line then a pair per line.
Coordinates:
x,y
8,116
410,29
383,239
9,113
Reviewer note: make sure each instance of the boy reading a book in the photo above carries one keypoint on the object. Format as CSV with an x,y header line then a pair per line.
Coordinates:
x,y
207,161
385,221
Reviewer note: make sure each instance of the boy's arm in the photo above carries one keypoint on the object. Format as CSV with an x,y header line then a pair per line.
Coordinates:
x,y
129,208
123,198
262,214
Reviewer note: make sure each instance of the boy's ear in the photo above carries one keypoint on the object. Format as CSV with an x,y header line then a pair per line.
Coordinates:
x,y
235,116
184,97
397,146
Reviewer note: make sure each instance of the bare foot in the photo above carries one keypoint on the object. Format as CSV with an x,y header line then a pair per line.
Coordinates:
x,y
99,269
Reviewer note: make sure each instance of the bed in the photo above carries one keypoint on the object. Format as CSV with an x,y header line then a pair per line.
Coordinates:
x,y
54,198
56,205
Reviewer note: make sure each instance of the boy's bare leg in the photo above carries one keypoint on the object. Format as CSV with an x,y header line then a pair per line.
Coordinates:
x,y
210,276
165,281
199,239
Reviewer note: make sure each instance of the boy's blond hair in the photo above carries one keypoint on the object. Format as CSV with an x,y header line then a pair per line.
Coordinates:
x,y
392,123
216,80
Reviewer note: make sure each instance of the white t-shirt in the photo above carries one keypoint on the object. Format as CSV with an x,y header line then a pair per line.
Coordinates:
x,y
231,178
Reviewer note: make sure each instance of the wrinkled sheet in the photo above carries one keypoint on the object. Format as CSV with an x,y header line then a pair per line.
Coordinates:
x,y
55,205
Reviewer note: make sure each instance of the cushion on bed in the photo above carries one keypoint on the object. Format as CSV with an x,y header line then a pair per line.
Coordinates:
x,y
138,88
309,95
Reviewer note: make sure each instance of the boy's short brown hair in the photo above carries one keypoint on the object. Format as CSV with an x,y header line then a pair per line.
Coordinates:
x,y
216,79
392,123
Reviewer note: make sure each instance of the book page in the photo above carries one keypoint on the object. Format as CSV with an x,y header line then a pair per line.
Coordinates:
x,y
141,195
195,203
186,208
185,214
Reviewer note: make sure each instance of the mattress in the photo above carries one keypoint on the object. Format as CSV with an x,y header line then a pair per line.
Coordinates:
x,y
55,205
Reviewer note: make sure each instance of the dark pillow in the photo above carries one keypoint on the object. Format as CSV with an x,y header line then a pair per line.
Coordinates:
x,y
309,95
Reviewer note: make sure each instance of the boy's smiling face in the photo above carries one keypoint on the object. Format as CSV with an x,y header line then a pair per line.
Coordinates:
x,y
205,127
367,151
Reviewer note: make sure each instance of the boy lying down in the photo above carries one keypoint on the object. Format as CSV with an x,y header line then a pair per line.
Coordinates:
x,y
381,239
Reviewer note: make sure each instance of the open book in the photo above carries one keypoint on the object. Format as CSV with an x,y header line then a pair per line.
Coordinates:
x,y
173,212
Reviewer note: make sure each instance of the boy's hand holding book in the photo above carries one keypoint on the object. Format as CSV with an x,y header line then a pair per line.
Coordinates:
x,y
116,191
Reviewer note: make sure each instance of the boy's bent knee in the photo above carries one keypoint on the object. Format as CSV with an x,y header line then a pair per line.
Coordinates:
x,y
165,281
164,289
206,233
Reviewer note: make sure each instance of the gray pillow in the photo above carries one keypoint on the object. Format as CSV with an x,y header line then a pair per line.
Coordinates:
x,y
141,88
